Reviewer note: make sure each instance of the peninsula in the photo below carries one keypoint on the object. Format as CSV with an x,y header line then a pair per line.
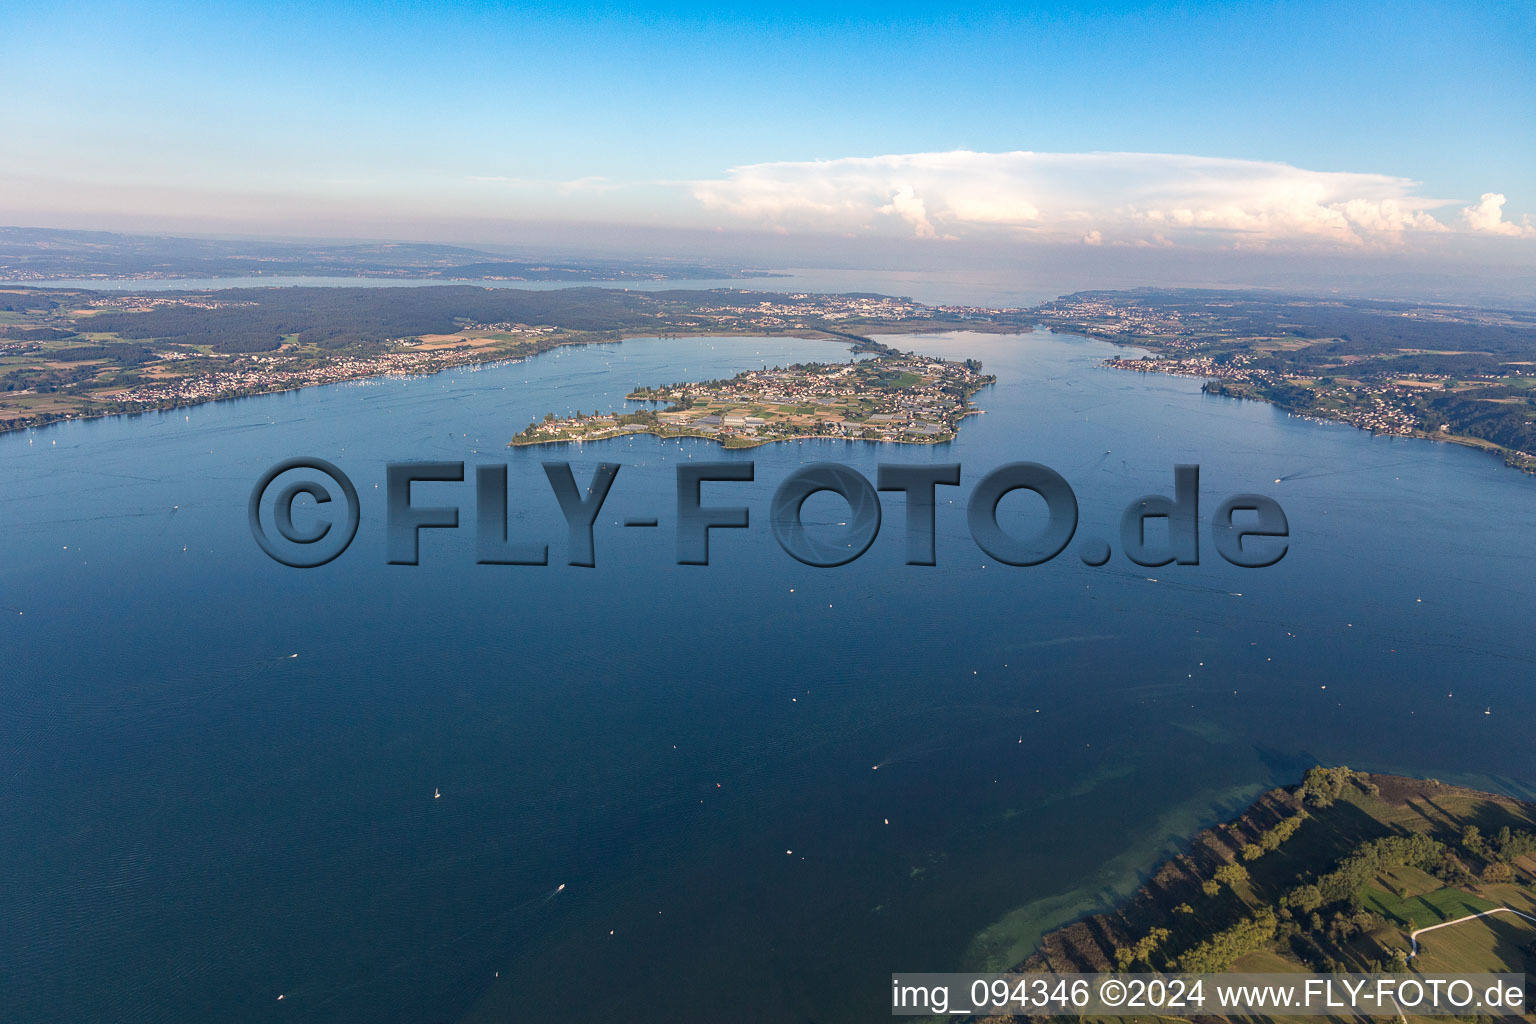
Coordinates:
x,y
1345,872
76,353
1431,370
892,396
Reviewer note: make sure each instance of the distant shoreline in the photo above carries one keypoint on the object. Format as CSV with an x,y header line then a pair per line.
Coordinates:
x,y
449,362
412,275
1214,386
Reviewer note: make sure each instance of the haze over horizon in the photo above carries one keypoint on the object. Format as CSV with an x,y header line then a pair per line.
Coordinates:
x,y
788,513
1234,143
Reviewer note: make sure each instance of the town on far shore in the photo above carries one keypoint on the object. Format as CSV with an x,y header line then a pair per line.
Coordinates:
x,y
70,353
1410,369
892,397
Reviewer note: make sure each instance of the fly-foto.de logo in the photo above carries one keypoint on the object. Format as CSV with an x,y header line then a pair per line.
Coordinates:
x,y
1248,530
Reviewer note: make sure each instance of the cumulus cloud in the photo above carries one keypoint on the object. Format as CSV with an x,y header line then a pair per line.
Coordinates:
x,y
906,205
1488,216
1094,198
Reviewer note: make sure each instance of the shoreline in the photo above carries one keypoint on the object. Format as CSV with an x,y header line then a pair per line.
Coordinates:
x,y
1522,461
1177,907
1526,467
449,363
630,430
723,443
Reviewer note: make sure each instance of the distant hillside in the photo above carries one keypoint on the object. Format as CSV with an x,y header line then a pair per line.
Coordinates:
x,y
42,254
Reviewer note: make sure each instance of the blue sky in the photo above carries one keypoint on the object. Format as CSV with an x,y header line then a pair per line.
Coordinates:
x,y
382,116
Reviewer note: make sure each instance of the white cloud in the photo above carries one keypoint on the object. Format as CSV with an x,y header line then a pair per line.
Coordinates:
x,y
906,205
1488,216
1125,198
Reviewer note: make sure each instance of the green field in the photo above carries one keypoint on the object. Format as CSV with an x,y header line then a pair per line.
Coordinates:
x,y
1362,860
67,352
1488,944
1444,904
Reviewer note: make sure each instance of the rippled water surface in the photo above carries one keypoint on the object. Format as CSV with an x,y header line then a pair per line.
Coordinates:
x,y
764,787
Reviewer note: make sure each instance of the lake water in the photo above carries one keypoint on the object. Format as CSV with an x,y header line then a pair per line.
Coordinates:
x,y
195,822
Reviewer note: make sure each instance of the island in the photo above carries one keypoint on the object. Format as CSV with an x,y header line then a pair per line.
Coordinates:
x,y
1430,370
890,397
1345,872
71,353
1436,371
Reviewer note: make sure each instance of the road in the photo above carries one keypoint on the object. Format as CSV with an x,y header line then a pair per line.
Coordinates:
x,y
1414,936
